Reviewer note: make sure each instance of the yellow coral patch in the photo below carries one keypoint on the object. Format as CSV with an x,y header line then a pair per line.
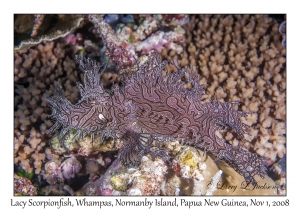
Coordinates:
x,y
188,159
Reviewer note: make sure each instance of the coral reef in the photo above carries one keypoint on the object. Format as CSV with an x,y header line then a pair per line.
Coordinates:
x,y
238,57
191,172
145,181
123,45
35,73
29,155
194,167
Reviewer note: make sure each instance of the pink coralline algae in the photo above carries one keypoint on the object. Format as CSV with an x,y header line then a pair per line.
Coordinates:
x,y
148,35
73,39
23,186
159,40
106,192
128,41
70,167
56,173
53,173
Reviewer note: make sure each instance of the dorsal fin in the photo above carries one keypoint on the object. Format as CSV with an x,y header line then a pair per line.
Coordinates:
x,y
92,89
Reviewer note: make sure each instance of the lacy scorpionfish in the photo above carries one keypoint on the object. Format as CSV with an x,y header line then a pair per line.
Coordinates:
x,y
151,107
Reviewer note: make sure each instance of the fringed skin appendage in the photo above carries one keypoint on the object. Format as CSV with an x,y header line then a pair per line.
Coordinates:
x,y
137,145
60,109
246,163
132,150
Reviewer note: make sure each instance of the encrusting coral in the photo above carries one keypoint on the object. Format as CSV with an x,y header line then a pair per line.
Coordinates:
x,y
194,167
238,57
191,172
23,186
145,181
147,36
55,173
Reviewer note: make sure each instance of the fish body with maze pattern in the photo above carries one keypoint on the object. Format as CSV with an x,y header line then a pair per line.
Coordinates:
x,y
153,107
